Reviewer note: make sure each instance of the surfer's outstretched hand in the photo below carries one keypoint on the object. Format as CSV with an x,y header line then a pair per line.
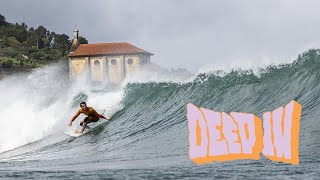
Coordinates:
x,y
70,124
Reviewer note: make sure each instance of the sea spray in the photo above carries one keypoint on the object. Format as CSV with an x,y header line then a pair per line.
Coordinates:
x,y
38,104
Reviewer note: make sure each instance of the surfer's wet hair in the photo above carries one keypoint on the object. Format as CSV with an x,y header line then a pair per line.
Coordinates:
x,y
83,103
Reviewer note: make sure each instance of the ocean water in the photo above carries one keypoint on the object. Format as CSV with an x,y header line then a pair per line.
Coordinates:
x,y
148,134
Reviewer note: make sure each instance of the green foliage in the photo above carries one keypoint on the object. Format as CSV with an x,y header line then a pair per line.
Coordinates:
x,y
38,55
30,50
41,32
31,41
62,44
2,43
83,40
20,58
10,52
13,42
2,20
8,64
25,48
35,43
20,62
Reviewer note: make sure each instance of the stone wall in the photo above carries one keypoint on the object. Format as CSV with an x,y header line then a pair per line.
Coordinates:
x,y
132,64
97,68
115,70
108,68
77,65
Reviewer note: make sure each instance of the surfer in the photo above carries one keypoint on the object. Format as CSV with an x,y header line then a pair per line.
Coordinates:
x,y
92,114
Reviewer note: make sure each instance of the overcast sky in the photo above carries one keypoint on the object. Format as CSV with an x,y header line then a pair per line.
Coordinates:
x,y
202,34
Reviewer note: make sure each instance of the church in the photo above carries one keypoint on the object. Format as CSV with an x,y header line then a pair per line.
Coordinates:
x,y
110,62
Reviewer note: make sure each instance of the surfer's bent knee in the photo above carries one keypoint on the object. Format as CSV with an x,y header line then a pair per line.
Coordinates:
x,y
85,120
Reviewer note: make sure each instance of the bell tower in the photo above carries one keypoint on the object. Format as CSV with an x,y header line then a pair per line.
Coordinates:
x,y
76,34
75,42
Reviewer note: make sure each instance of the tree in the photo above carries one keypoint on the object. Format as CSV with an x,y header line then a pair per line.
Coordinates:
x,y
18,38
41,31
2,43
3,20
31,41
20,33
62,43
24,25
83,40
13,42
40,43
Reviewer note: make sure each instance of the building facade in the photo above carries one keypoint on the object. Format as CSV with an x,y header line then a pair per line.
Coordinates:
x,y
111,62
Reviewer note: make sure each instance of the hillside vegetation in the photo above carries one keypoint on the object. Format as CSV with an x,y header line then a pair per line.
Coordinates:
x,y
23,48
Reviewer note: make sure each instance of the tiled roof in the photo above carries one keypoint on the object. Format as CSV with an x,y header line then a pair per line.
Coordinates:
x,y
107,49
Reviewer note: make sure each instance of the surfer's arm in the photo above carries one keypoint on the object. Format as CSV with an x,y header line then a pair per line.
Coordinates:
x,y
100,115
74,118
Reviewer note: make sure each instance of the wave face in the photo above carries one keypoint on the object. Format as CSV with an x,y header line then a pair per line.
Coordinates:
x,y
148,134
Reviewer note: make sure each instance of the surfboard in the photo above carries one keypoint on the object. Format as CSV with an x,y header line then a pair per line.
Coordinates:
x,y
90,127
